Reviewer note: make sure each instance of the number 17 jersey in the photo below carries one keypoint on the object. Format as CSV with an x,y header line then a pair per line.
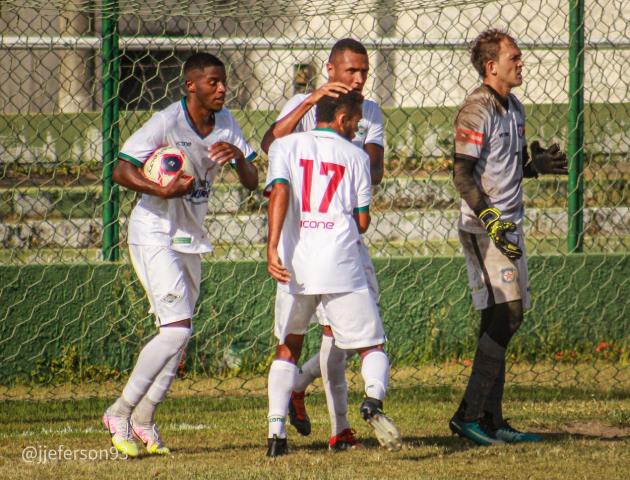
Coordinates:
x,y
329,180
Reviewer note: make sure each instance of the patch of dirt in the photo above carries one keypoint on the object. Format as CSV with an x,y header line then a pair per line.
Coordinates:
x,y
597,429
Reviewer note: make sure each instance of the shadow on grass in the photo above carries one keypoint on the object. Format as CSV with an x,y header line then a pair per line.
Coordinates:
x,y
559,437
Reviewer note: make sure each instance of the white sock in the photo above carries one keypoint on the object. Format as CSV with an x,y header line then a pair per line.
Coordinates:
x,y
309,371
333,367
375,371
152,359
279,387
144,412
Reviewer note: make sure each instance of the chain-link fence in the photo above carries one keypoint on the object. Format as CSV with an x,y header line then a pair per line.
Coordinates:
x,y
78,77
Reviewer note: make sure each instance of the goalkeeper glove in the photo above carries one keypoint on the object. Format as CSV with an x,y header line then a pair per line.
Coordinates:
x,y
551,160
497,228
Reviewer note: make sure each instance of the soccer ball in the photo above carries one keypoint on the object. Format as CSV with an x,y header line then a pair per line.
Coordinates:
x,y
164,163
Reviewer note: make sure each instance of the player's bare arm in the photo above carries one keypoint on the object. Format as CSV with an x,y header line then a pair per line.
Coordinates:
x,y
223,152
377,155
363,220
131,177
277,211
287,124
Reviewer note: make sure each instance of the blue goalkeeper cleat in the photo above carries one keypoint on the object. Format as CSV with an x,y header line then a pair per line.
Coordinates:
x,y
508,434
473,431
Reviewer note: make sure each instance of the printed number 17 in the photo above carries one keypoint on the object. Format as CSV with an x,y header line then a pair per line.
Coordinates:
x,y
307,180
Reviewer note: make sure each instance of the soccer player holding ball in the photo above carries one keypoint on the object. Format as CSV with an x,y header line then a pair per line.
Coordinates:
x,y
347,68
320,191
491,159
166,236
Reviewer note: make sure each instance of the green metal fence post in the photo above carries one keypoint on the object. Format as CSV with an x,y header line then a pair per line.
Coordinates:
x,y
576,126
110,133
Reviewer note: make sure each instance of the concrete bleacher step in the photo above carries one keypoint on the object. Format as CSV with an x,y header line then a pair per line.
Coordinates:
x,y
56,202
247,229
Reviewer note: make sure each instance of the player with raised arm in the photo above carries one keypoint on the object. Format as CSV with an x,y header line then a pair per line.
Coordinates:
x,y
320,193
166,236
347,68
491,160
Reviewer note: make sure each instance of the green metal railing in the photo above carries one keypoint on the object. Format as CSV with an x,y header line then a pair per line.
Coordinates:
x,y
575,150
110,129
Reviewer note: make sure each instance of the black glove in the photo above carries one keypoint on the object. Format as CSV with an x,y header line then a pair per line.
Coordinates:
x,y
551,160
497,228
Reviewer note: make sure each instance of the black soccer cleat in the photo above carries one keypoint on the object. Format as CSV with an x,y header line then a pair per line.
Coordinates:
x,y
277,446
386,431
369,407
297,414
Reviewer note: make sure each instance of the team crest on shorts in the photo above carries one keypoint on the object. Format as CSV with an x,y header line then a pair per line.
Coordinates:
x,y
520,130
508,275
170,298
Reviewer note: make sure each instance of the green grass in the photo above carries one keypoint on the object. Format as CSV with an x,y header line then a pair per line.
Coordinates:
x,y
535,246
587,435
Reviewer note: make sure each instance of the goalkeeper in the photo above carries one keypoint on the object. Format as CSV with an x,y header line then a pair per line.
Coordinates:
x,y
490,162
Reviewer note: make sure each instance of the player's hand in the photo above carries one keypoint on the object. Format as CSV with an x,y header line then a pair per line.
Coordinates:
x,y
330,89
223,152
497,228
180,185
548,161
275,267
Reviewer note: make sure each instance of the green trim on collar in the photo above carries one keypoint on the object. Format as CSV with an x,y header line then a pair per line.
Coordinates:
x,y
190,123
326,129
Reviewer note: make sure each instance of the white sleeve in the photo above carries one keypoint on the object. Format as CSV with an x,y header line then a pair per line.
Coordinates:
x,y
376,128
278,170
238,140
363,185
146,140
291,105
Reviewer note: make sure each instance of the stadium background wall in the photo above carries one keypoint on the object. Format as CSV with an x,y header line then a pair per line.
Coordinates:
x,y
101,310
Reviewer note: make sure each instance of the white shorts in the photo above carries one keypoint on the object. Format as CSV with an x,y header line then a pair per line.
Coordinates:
x,y
370,275
171,280
353,317
494,278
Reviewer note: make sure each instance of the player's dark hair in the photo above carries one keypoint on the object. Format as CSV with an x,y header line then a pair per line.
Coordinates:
x,y
328,107
201,60
486,47
347,44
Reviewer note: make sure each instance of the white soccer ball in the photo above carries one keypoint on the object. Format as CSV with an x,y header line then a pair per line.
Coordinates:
x,y
164,163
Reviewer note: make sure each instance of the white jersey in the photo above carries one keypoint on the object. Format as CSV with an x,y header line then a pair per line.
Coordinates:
x,y
329,178
371,128
178,222
485,130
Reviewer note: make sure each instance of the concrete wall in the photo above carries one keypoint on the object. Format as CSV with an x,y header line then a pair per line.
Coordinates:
x,y
422,74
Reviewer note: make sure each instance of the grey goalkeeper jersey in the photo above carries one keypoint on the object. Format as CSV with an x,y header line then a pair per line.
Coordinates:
x,y
493,135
